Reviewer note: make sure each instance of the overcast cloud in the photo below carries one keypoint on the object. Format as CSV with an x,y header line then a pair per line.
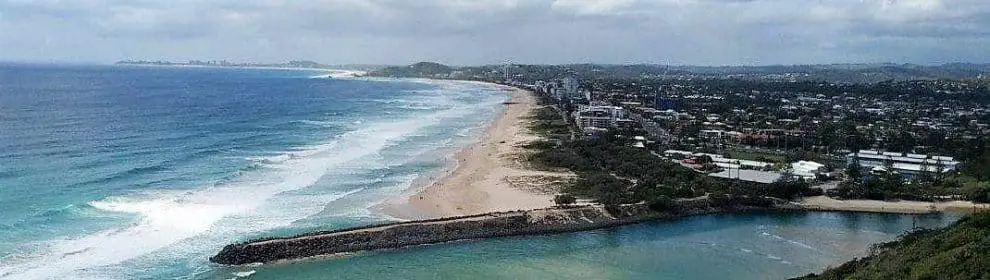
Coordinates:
x,y
463,32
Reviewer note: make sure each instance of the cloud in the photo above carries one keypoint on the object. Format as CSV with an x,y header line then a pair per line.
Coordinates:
x,y
492,31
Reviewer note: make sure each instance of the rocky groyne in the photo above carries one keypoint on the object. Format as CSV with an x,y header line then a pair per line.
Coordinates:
x,y
397,235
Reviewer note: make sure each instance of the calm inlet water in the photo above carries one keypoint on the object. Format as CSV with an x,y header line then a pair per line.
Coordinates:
x,y
143,173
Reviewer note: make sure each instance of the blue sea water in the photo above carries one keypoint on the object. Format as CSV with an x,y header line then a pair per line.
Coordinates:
x,y
106,171
112,172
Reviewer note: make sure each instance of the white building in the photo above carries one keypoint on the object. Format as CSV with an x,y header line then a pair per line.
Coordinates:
x,y
569,86
599,116
907,164
721,161
807,170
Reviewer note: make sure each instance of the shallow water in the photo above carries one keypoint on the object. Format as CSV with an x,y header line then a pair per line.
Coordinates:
x,y
722,246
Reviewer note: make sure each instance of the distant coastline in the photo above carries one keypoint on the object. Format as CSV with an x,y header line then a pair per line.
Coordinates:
x,y
224,63
293,64
335,71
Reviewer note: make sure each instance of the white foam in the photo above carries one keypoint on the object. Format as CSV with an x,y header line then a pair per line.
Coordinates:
x,y
243,274
414,107
339,74
253,201
318,123
163,221
793,242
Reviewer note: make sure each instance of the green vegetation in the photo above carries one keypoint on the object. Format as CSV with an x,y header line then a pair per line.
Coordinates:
x,y
564,199
979,167
611,171
960,251
926,187
547,121
418,70
977,191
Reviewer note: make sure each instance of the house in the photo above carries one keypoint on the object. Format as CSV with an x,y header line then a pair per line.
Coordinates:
x,y
807,170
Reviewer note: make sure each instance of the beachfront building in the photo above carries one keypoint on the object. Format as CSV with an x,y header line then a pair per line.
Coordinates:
x,y
565,91
906,164
603,117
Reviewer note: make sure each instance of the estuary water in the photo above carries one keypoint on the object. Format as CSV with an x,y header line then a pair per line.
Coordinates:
x,y
114,172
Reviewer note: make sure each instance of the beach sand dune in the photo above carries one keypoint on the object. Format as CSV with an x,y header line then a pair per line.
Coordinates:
x,y
489,175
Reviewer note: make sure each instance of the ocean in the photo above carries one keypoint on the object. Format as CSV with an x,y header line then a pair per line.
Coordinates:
x,y
123,172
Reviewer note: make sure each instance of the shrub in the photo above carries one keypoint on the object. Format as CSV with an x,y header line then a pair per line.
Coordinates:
x,y
979,193
662,203
564,199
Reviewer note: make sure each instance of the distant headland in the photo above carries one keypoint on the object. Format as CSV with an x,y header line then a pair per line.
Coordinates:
x,y
224,63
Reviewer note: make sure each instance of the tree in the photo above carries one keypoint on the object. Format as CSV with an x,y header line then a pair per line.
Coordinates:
x,y
979,193
854,171
978,167
786,176
662,203
704,159
892,181
939,171
927,172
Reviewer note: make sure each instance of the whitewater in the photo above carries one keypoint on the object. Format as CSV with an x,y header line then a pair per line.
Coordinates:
x,y
369,142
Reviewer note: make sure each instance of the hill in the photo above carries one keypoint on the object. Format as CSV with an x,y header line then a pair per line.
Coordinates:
x,y
960,251
418,70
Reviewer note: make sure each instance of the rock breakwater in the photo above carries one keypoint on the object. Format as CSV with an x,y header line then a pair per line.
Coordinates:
x,y
403,234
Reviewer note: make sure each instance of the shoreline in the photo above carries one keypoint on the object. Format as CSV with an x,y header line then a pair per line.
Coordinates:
x,y
824,203
483,176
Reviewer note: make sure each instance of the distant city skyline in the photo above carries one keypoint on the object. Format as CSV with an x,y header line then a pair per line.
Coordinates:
x,y
679,32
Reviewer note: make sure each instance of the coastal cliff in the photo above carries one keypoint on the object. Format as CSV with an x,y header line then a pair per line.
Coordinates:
x,y
960,251
397,235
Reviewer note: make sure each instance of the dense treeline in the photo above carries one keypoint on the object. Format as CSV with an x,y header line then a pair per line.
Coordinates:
x,y
960,251
418,70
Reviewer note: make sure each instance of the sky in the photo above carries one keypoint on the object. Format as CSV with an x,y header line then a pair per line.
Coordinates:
x,y
465,32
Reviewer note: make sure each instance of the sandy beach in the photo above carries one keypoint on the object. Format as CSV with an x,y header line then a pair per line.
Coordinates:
x,y
488,176
906,207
